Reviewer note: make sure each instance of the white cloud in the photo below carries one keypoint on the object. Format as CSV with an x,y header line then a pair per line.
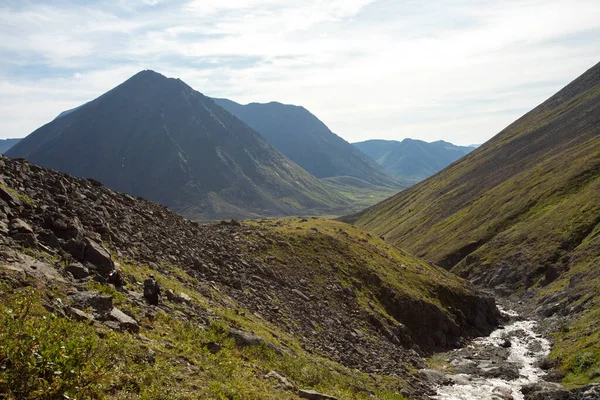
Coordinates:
x,y
454,69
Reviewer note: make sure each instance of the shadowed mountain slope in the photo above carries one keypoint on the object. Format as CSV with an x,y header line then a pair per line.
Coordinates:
x,y
307,141
158,138
412,160
6,144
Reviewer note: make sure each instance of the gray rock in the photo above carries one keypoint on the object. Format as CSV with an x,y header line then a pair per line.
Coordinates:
x,y
9,197
98,256
178,297
314,395
246,339
17,225
285,382
48,238
301,295
75,248
125,321
98,302
25,239
434,377
79,315
77,270
3,228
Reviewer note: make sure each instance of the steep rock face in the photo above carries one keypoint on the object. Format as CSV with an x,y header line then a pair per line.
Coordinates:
x,y
307,141
520,209
305,277
412,160
158,138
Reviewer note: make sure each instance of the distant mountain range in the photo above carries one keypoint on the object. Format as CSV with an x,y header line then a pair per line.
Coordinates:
x,y
158,138
307,141
413,160
6,144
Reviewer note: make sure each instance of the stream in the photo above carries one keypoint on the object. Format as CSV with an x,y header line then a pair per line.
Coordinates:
x,y
495,367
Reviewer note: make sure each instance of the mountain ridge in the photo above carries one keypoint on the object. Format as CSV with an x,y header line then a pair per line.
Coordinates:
x,y
307,141
158,138
412,159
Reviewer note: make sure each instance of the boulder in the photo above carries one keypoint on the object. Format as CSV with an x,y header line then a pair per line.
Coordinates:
x,y
66,228
3,228
48,238
283,381
178,297
300,294
9,196
77,270
92,299
25,239
75,248
17,225
314,395
126,323
246,339
79,315
98,256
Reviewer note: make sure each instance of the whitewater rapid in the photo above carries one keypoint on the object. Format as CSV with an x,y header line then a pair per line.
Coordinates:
x,y
527,348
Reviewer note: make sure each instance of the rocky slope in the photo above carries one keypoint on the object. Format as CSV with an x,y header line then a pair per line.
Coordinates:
x,y
412,160
307,141
521,214
272,309
158,138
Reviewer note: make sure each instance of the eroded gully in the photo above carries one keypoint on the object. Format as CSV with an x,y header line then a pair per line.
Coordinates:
x,y
496,367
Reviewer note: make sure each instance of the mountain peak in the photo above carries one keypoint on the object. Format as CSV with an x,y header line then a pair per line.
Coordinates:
x,y
158,138
148,74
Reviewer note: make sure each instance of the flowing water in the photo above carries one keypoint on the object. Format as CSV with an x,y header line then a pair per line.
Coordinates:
x,y
498,366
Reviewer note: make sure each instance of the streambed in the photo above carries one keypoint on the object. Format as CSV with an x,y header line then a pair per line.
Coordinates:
x,y
496,367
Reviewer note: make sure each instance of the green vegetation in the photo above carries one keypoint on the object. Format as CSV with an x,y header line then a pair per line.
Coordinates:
x,y
44,357
577,344
353,256
22,197
521,213
174,356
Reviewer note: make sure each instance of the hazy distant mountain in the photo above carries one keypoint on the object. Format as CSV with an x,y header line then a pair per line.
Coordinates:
x,y
6,144
158,138
411,159
307,141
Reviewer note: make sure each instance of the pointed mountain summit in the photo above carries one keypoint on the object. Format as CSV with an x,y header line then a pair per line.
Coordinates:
x,y
157,138
304,139
412,160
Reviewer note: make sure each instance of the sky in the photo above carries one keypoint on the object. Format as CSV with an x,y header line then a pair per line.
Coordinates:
x,y
455,70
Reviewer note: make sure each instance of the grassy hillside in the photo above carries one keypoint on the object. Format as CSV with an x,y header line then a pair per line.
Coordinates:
x,y
327,306
519,212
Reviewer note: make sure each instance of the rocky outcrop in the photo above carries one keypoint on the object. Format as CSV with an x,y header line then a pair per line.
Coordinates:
x,y
87,227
